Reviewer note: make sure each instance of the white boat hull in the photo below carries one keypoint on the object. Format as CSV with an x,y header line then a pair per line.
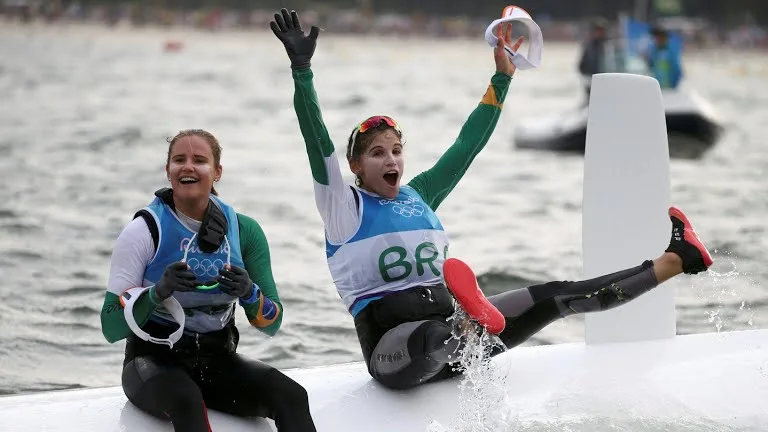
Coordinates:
x,y
714,381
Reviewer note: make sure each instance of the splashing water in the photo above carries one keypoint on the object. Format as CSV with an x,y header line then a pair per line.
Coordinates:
x,y
483,401
717,286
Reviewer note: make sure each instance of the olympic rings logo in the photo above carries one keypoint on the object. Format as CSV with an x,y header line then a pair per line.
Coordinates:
x,y
408,211
205,267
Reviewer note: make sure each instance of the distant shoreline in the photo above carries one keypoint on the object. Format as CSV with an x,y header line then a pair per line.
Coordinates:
x,y
175,30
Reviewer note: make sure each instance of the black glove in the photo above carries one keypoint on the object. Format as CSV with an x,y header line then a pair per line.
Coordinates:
x,y
300,48
177,277
235,282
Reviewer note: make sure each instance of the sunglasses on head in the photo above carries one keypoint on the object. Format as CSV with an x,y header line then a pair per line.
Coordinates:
x,y
370,123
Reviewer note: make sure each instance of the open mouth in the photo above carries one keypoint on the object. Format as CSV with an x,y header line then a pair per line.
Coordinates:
x,y
391,178
188,180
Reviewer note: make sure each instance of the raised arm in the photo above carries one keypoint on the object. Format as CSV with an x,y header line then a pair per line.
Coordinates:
x,y
436,183
334,198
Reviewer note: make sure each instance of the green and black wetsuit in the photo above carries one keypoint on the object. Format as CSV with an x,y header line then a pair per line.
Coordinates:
x,y
202,369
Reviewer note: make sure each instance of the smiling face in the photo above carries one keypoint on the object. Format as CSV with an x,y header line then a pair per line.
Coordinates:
x,y
192,166
380,164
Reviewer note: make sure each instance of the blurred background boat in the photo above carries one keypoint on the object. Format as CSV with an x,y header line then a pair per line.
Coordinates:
x,y
694,125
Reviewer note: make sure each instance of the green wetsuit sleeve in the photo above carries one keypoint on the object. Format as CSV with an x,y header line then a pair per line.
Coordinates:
x,y
316,137
113,325
256,257
334,198
436,183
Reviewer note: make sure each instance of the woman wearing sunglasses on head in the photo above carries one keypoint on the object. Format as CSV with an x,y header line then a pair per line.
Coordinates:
x,y
190,259
386,249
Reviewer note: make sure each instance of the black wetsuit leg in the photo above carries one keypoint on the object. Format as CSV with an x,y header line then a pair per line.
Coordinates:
x,y
403,337
165,390
402,352
528,310
249,388
411,354
205,372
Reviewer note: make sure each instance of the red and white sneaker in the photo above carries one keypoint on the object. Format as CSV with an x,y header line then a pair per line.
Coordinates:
x,y
686,244
461,281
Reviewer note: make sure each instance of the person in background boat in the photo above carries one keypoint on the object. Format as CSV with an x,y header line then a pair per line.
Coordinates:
x,y
386,248
189,245
592,59
663,61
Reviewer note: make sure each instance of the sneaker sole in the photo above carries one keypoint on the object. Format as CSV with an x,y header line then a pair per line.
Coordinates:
x,y
691,236
461,281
